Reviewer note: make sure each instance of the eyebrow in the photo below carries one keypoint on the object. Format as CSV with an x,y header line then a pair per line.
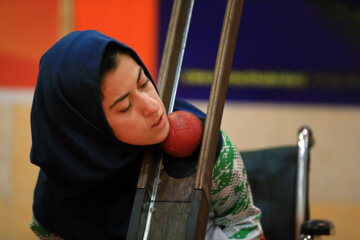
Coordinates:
x,y
126,94
140,71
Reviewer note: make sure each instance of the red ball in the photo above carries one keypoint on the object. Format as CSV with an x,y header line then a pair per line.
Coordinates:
x,y
184,135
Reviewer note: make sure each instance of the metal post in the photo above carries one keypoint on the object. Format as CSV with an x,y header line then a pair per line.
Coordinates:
x,y
199,213
174,51
304,144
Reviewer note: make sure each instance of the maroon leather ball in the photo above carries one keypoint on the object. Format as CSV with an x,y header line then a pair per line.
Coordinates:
x,y
184,135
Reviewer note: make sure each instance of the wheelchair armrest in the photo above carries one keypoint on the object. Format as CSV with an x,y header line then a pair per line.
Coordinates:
x,y
317,227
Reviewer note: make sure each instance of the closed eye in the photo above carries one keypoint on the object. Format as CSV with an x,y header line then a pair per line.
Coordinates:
x,y
126,109
145,83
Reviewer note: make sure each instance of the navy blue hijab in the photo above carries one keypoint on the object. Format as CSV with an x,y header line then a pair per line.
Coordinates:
x,y
87,178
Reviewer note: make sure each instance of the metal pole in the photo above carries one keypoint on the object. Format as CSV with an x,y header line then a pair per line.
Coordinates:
x,y
218,93
174,48
199,212
304,144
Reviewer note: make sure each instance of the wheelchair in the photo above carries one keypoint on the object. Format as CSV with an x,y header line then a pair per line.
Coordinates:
x,y
279,179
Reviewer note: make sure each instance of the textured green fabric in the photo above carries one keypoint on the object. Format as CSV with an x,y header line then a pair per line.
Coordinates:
x,y
231,198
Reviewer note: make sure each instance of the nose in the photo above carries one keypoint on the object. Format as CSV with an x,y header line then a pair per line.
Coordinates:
x,y
148,105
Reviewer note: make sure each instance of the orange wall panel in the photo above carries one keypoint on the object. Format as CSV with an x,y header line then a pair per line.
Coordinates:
x,y
134,23
28,29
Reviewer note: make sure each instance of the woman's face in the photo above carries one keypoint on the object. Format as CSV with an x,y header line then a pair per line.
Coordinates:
x,y
132,106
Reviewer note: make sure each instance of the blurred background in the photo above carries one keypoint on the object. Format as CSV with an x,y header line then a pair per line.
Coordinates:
x,y
296,63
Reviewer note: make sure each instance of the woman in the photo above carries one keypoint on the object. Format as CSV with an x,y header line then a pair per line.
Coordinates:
x,y
95,109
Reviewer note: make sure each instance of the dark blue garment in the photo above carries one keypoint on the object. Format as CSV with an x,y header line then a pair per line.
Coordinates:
x,y
87,178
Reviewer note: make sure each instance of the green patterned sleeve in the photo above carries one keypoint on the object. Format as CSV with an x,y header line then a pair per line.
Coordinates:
x,y
232,205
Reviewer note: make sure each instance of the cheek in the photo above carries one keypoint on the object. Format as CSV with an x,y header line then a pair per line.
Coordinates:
x,y
121,126
130,129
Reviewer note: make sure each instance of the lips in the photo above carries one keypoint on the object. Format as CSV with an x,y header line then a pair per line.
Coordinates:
x,y
157,122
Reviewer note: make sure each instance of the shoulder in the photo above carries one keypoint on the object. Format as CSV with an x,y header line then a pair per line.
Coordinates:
x,y
227,144
229,156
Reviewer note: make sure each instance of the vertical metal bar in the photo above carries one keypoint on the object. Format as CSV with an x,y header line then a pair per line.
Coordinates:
x,y
218,93
181,55
304,144
173,51
199,211
152,201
